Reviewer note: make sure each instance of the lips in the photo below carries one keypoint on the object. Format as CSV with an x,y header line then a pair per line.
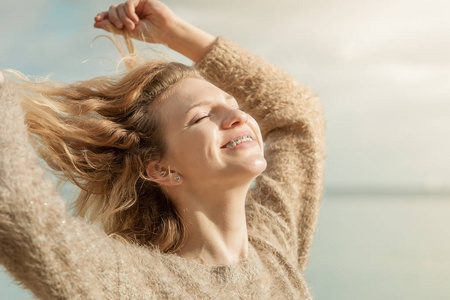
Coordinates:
x,y
238,135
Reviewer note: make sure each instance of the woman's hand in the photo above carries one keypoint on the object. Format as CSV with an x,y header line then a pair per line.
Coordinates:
x,y
147,20
152,21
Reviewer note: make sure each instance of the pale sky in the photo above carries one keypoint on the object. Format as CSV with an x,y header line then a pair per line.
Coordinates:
x,y
382,71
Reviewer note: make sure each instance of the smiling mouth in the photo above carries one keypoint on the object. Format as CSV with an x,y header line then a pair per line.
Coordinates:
x,y
237,141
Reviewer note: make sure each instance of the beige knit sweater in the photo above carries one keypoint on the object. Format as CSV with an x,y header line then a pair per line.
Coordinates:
x,y
58,256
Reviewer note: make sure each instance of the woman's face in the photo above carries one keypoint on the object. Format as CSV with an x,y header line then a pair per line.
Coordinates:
x,y
209,139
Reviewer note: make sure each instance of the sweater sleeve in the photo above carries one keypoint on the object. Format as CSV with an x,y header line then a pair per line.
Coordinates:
x,y
54,255
292,125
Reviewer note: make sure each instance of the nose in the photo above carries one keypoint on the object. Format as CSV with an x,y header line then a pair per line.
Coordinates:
x,y
234,117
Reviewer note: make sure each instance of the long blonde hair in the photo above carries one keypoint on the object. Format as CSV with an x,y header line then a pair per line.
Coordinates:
x,y
100,134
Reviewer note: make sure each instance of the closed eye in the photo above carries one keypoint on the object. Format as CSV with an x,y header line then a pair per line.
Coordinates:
x,y
201,118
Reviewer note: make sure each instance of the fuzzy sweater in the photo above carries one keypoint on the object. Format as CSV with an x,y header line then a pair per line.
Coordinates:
x,y
58,256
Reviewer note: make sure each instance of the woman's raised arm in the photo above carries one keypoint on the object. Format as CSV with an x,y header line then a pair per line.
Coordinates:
x,y
293,128
54,255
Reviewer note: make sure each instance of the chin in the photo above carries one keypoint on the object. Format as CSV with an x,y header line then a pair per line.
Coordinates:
x,y
254,168
259,166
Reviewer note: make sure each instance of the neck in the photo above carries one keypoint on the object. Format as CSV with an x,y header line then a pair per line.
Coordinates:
x,y
216,225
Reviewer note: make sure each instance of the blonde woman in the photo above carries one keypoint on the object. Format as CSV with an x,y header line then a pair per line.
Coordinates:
x,y
164,156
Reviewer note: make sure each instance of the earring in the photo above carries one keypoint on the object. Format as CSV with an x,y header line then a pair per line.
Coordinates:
x,y
177,179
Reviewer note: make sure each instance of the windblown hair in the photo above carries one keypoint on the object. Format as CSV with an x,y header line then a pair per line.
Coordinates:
x,y
100,134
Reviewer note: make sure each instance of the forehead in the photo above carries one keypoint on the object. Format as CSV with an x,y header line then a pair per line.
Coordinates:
x,y
189,90
186,94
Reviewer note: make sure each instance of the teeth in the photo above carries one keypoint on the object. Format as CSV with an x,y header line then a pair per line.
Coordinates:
x,y
239,140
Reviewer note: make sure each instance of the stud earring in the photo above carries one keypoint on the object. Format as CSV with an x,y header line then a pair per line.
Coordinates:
x,y
177,179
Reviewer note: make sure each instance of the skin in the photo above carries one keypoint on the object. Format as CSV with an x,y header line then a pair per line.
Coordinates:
x,y
199,119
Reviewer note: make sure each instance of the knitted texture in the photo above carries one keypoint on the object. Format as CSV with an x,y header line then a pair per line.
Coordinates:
x,y
58,256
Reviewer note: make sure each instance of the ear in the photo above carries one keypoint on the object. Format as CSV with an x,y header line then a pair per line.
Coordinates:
x,y
163,175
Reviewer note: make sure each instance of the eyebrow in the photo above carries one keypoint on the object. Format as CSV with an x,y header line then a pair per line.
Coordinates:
x,y
228,97
203,103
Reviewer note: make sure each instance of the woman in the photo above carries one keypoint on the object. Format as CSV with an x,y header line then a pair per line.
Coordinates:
x,y
164,155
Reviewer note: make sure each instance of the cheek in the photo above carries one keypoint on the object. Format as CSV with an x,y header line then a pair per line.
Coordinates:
x,y
253,123
255,127
196,149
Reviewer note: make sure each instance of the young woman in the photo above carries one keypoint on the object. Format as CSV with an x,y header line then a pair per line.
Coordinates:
x,y
164,155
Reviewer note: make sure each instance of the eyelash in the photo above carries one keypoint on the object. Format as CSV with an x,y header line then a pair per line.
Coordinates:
x,y
207,116
199,119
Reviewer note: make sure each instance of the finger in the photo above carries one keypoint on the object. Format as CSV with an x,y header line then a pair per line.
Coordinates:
x,y
124,17
130,9
105,25
2,78
101,16
114,18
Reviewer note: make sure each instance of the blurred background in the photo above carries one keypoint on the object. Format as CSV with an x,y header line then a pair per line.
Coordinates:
x,y
382,71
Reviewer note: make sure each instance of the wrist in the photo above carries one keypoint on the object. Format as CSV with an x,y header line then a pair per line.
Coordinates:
x,y
189,40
